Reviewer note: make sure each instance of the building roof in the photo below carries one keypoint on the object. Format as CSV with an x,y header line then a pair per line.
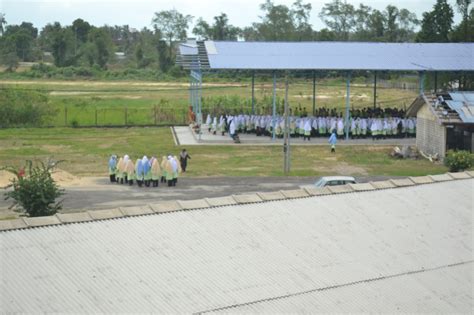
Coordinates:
x,y
392,250
338,56
463,104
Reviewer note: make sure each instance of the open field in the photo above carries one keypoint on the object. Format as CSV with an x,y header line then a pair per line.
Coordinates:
x,y
105,103
86,151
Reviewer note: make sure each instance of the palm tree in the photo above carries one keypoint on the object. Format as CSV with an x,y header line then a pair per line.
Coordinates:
x,y
2,22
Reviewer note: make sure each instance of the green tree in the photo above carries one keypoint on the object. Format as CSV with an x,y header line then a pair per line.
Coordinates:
x,y
8,55
464,32
2,23
339,16
220,30
102,44
172,25
24,36
463,8
436,24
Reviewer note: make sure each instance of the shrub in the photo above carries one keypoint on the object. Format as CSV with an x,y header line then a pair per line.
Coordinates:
x,y
34,190
459,160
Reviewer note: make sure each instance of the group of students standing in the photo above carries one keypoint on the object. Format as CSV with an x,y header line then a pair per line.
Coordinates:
x,y
319,126
147,172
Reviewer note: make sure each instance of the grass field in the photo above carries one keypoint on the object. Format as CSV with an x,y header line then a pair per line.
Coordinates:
x,y
105,103
86,151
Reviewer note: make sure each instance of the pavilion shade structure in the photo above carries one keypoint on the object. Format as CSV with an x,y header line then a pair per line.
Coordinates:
x,y
331,56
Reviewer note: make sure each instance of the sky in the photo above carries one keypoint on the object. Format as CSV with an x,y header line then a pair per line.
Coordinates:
x,y
138,13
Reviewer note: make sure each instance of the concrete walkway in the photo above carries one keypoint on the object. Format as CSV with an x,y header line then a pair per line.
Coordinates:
x,y
186,136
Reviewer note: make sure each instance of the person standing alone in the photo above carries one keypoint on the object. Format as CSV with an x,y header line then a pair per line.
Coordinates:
x,y
332,141
183,159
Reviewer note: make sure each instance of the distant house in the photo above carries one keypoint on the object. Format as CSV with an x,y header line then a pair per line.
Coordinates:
x,y
444,122
120,55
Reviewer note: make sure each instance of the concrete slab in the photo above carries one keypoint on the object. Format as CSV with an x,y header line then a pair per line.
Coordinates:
x,y
459,175
421,180
295,193
42,221
247,198
131,211
221,201
106,214
273,195
470,173
166,206
193,204
317,191
340,189
12,224
385,184
402,182
362,187
74,217
441,177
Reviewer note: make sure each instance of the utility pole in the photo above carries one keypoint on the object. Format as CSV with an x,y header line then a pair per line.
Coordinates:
x,y
286,142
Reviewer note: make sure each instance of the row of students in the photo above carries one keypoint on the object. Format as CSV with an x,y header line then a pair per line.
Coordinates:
x,y
146,172
306,127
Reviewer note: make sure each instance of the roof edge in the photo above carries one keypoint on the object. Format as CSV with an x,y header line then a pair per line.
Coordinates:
x,y
206,203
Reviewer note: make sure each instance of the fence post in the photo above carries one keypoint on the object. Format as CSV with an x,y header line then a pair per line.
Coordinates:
x,y
65,115
154,111
96,116
126,118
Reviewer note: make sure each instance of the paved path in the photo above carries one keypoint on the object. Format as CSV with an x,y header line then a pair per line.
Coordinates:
x,y
185,136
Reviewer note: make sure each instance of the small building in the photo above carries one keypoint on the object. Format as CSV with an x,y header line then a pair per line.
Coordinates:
x,y
444,122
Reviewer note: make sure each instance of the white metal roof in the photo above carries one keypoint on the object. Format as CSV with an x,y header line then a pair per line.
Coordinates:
x,y
406,249
340,56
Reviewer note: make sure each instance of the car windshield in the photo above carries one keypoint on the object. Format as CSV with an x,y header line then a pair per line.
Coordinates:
x,y
320,183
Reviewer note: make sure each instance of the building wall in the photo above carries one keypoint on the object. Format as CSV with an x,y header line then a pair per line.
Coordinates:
x,y
430,135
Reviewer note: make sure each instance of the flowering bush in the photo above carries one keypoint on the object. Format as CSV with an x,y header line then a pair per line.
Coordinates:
x,y
458,160
34,190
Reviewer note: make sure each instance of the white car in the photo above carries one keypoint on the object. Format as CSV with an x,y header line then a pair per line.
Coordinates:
x,y
334,181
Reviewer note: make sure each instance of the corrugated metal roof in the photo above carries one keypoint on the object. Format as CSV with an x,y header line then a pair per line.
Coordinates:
x,y
463,104
341,56
202,260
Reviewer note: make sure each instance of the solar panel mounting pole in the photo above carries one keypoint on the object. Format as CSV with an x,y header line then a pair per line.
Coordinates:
x,y
274,105
375,89
286,141
422,82
348,101
253,93
314,93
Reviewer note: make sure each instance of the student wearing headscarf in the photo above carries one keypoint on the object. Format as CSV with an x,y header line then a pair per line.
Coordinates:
x,y
112,167
139,172
146,171
164,174
126,158
176,169
214,126
332,141
119,171
155,171
307,130
208,122
130,170
169,171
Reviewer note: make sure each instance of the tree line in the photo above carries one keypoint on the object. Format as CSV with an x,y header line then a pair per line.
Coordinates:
x,y
84,45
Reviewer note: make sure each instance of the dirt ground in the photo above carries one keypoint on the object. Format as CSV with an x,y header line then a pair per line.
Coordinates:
x,y
92,193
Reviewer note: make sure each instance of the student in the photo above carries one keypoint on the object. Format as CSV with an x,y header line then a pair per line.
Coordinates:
x,y
214,126
183,159
332,141
112,168
126,158
208,122
139,172
176,169
119,171
146,171
169,171
164,174
155,171
130,170
307,130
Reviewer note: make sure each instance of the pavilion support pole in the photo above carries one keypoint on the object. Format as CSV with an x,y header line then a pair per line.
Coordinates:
x,y
422,82
274,106
314,93
286,143
253,93
348,101
375,89
435,82
199,104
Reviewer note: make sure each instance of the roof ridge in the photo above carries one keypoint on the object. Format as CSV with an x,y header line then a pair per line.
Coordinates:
x,y
168,206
